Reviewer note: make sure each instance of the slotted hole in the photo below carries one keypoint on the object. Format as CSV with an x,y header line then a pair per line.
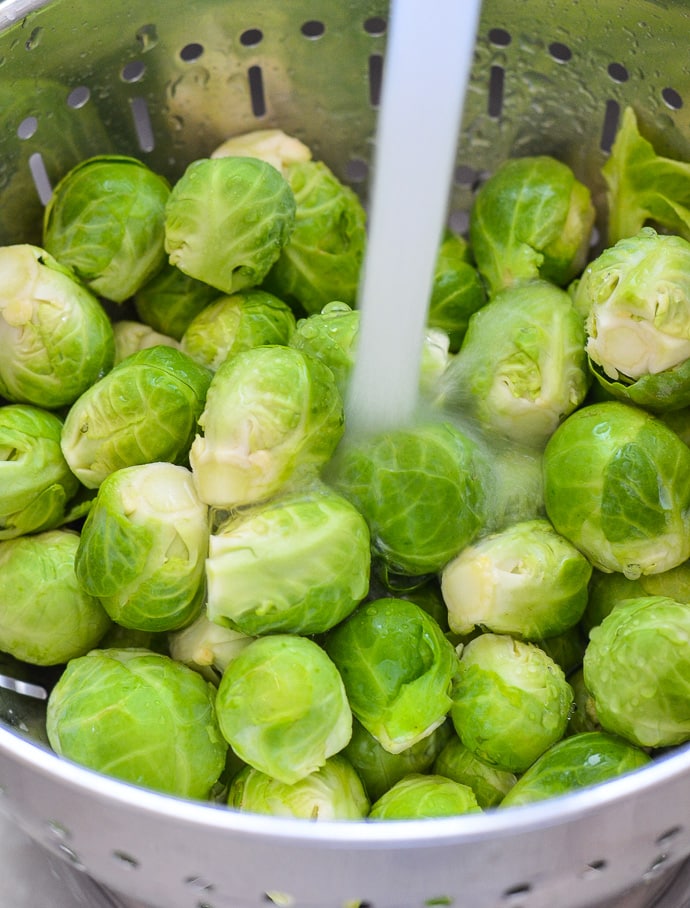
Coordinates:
x,y
282,899
133,71
39,175
255,77
199,884
618,72
251,37
656,867
142,123
375,26
459,222
78,97
71,856
126,860
515,895
667,837
560,52
27,128
496,87
500,37
610,125
375,79
313,29
672,99
190,53
594,869
464,175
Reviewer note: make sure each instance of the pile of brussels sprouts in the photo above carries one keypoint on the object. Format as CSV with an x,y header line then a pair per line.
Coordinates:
x,y
244,603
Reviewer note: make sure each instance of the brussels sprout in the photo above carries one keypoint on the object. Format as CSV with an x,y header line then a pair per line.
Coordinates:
x,y
46,618
143,547
583,714
421,490
270,145
606,590
132,336
397,667
282,707
298,563
171,299
517,484
636,299
522,366
510,701
333,792
227,220
207,647
577,762
230,324
55,336
636,668
457,290
105,220
617,485
422,797
643,186
679,421
36,485
118,637
143,411
532,218
331,336
489,784
322,259
379,769
273,414
140,717
526,581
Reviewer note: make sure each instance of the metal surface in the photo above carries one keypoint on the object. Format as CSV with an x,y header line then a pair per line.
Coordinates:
x,y
167,80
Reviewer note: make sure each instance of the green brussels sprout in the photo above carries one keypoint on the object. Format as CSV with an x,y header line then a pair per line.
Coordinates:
x,y
282,707
583,714
47,618
140,717
36,484
379,769
437,471
636,666
249,318
331,336
131,336
576,762
298,563
143,411
424,797
457,290
323,257
55,336
532,218
526,581
227,220
617,485
118,637
207,647
489,784
272,415
333,792
143,547
522,366
271,145
510,701
635,297
397,667
171,299
606,590
643,186
105,220
517,484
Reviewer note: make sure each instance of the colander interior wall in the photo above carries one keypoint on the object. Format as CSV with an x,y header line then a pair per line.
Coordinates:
x,y
167,81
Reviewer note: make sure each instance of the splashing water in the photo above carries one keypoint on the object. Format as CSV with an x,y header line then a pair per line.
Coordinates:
x,y
428,61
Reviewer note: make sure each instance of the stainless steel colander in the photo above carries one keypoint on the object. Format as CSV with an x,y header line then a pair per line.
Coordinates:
x,y
167,80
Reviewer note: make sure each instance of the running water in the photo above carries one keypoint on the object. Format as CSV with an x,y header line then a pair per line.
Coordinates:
x,y
427,68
